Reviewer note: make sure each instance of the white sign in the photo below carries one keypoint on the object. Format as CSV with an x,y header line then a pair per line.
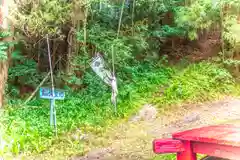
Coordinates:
x,y
99,68
46,93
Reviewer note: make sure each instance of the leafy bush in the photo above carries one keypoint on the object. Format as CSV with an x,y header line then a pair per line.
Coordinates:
x,y
104,39
43,17
4,45
196,17
22,72
197,80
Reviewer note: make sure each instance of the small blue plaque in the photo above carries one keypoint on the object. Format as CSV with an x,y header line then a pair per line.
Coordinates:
x,y
46,93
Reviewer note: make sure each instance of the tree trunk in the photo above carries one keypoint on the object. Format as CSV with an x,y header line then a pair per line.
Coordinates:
x,y
69,52
4,63
3,80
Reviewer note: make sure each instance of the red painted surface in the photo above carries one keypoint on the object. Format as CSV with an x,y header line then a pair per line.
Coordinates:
x,y
220,134
167,146
220,141
216,150
188,154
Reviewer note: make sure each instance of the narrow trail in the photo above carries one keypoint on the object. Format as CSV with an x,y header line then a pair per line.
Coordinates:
x,y
133,140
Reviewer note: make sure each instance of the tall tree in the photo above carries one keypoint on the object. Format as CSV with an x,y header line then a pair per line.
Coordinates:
x,y
4,55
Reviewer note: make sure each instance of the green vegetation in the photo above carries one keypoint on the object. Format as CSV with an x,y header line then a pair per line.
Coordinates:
x,y
27,127
89,108
4,45
172,157
200,81
133,36
165,157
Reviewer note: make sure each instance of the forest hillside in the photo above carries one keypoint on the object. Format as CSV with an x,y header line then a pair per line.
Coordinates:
x,y
105,59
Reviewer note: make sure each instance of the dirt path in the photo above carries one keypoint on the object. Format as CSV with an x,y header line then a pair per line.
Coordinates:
x,y
133,140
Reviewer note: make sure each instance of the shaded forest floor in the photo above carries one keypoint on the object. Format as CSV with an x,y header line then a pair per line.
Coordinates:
x,y
133,140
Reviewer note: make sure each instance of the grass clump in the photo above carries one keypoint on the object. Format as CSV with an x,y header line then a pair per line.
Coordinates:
x,y
198,82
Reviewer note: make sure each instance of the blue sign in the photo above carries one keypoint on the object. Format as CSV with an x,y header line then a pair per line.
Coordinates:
x,y
46,93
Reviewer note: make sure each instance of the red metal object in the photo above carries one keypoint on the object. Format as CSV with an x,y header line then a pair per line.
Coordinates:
x,y
219,141
167,146
188,154
220,134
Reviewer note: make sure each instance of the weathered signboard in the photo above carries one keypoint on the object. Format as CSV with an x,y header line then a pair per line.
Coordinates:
x,y
46,93
99,67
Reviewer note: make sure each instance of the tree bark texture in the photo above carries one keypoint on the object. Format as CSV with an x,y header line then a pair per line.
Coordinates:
x,y
4,63
3,80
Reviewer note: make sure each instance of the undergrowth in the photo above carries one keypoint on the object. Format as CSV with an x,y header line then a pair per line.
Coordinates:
x,y
26,128
198,82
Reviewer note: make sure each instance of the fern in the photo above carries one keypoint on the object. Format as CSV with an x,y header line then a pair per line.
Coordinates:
x,y
4,46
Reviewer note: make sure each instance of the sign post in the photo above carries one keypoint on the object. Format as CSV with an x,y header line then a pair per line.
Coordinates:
x,y
46,93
